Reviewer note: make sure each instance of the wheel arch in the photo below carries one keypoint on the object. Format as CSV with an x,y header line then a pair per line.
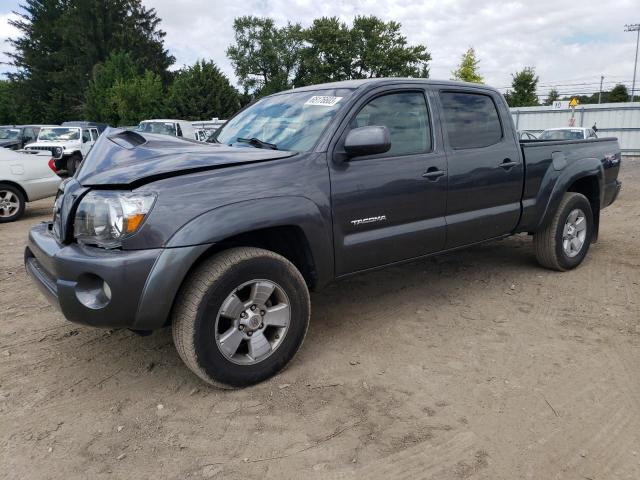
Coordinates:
x,y
584,176
18,186
295,231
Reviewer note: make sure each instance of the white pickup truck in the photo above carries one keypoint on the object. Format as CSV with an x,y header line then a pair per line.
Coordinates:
x,y
69,144
24,177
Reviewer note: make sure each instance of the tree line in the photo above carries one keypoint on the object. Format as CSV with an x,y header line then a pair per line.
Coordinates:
x,y
105,60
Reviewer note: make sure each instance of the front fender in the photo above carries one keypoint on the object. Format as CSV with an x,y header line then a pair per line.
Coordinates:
x,y
246,216
558,185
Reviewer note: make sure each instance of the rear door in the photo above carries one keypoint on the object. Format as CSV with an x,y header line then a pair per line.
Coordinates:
x,y
485,166
384,208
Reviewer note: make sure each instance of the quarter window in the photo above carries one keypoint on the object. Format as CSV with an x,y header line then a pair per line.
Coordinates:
x,y
405,115
471,120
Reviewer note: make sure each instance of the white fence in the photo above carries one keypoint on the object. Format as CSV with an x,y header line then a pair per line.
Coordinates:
x,y
620,120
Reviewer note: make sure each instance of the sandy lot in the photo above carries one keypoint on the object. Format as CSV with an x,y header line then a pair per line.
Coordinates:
x,y
477,364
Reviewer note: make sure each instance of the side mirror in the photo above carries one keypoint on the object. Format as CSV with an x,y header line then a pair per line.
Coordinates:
x,y
367,141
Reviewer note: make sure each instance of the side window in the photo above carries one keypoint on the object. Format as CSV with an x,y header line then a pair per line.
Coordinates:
x,y
85,136
471,119
94,134
178,130
29,134
405,115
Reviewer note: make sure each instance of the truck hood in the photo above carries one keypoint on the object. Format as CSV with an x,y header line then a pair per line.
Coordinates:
x,y
126,158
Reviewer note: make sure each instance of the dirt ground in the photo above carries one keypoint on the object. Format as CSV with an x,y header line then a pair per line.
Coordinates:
x,y
477,364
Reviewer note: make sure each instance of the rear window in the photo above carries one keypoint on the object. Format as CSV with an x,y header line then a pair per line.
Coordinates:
x,y
471,120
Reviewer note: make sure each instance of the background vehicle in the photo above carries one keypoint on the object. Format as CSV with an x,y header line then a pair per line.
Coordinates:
x,y
205,128
101,127
578,133
68,144
175,128
524,135
302,188
18,136
24,177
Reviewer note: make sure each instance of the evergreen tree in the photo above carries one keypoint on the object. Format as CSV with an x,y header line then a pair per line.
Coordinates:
x,y
201,92
61,42
553,96
524,84
467,71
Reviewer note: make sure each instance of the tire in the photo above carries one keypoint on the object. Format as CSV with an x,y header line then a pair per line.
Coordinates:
x,y
199,317
73,164
549,243
12,203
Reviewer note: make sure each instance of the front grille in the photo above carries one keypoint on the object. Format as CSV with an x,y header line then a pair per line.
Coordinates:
x,y
50,149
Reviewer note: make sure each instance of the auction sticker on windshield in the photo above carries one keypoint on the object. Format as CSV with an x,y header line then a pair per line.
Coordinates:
x,y
324,100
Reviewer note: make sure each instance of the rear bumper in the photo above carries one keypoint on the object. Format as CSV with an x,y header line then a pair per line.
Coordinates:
x,y
611,192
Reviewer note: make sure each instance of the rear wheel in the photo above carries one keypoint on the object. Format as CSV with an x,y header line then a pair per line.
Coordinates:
x,y
564,243
241,317
12,203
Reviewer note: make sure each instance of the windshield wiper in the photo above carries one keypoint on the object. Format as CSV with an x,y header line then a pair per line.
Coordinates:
x,y
256,142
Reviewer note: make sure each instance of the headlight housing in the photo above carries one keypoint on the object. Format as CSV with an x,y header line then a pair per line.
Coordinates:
x,y
105,217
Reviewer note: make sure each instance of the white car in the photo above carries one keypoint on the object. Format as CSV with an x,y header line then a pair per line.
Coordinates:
x,y
24,177
567,133
69,144
175,128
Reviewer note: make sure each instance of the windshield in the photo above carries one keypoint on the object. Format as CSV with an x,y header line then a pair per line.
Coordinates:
x,y
567,134
290,121
163,128
8,133
61,134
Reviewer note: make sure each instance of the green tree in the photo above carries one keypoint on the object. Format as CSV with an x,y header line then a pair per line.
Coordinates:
x,y
619,93
265,58
138,98
60,42
99,106
202,91
553,96
467,71
380,50
524,85
327,55
268,59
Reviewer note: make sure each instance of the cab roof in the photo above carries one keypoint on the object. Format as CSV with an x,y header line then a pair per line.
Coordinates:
x,y
375,82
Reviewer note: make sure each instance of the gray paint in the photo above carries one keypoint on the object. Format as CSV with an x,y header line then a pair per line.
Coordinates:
x,y
357,213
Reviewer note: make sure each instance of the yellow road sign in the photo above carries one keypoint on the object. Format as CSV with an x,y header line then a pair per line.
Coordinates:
x,y
574,102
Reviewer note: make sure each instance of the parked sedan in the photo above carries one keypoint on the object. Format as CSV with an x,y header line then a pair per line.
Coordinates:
x,y
578,133
18,136
24,177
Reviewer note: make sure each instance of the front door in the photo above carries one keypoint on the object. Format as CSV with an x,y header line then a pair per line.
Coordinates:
x,y
389,207
485,167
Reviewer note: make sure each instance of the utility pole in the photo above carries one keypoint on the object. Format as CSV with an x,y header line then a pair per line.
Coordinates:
x,y
600,92
634,27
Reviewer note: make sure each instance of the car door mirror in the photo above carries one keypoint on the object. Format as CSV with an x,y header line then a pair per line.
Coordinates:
x,y
369,140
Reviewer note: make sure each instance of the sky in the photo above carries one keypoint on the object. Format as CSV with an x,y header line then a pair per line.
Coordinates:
x,y
571,44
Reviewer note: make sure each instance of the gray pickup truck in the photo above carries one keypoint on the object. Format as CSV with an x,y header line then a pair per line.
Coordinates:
x,y
223,241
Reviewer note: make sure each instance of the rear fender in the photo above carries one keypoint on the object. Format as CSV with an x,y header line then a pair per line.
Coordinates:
x,y
586,167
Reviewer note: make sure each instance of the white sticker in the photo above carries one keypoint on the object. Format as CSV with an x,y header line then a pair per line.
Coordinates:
x,y
323,100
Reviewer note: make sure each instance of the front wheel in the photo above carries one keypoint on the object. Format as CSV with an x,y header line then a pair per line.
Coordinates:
x,y
564,243
12,203
241,316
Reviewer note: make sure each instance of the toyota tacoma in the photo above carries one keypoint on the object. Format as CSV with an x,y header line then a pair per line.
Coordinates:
x,y
223,241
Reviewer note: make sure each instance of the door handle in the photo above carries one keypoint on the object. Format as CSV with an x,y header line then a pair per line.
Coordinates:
x,y
507,164
433,173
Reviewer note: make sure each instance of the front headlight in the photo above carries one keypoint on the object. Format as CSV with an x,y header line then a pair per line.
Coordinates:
x,y
105,217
